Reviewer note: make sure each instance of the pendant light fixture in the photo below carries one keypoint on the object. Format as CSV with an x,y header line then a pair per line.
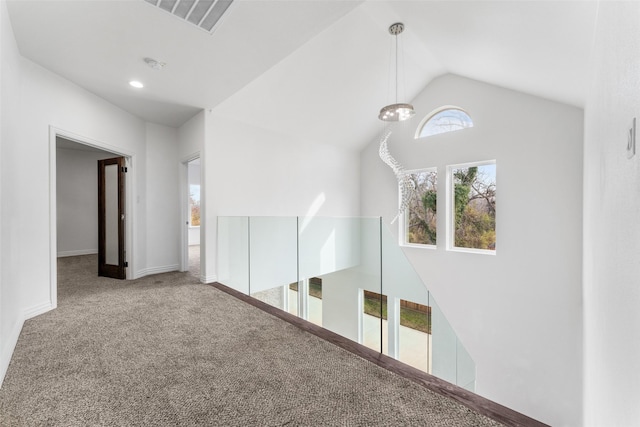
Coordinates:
x,y
399,111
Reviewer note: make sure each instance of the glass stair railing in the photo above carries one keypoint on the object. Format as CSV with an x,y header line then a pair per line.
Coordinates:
x,y
349,276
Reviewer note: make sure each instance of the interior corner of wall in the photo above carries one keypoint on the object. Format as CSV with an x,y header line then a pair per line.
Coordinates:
x,y
208,279
38,309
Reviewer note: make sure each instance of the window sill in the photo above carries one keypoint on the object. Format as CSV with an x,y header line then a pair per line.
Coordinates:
x,y
418,246
473,251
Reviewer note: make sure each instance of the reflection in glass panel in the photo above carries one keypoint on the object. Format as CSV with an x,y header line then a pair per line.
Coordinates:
x,y
111,219
273,259
415,335
274,296
444,346
338,258
466,368
309,308
314,312
292,295
328,245
374,321
233,252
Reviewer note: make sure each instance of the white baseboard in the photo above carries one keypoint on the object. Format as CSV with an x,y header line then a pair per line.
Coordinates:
x,y
77,253
12,340
37,310
208,279
157,270
10,345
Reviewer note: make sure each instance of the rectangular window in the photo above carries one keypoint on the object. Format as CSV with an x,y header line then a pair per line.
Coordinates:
x,y
419,225
194,205
473,206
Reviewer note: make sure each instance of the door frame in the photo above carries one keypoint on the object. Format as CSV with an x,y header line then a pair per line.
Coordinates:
x,y
184,211
130,196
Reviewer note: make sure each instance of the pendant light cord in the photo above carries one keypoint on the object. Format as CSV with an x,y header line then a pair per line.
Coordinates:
x,y
396,36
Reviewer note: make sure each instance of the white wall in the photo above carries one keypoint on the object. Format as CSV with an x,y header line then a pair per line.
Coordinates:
x,y
194,236
11,316
272,249
518,313
611,231
263,173
40,101
256,172
8,311
340,301
46,100
77,197
163,195
194,173
191,136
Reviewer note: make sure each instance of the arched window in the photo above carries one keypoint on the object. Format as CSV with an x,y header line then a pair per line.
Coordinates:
x,y
442,120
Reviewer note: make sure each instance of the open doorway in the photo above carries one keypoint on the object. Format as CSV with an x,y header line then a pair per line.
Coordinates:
x,y
193,216
77,199
74,205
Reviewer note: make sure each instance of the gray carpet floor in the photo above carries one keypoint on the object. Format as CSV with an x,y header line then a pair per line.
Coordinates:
x,y
168,351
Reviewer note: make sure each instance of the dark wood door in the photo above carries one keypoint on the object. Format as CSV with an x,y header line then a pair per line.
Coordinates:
x,y
111,218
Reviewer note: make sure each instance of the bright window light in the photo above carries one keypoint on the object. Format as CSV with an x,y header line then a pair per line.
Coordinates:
x,y
473,206
419,222
443,120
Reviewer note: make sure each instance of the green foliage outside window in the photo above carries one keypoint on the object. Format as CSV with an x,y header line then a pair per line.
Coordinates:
x,y
420,216
195,211
474,194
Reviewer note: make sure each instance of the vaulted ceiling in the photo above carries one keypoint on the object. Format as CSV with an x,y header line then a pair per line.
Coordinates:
x,y
297,67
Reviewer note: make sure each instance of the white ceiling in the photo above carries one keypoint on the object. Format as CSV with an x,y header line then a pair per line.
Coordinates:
x,y
295,67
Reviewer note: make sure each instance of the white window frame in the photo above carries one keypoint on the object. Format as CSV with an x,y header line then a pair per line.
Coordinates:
x,y
450,210
439,110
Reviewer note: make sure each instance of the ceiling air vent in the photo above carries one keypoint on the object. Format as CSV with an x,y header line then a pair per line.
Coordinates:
x,y
205,14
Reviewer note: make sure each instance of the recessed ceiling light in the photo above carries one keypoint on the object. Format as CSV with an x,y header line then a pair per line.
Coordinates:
x,y
136,84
